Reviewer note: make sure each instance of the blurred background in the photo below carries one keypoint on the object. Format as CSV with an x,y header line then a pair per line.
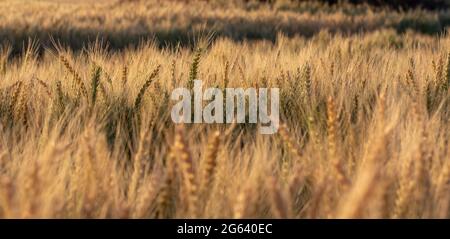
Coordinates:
x,y
397,4
124,23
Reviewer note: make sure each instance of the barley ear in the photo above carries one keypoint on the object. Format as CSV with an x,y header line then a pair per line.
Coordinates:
x,y
187,171
5,52
306,81
226,77
210,162
404,190
165,198
17,87
194,68
289,140
21,112
148,82
446,80
173,72
95,81
411,79
124,75
138,164
7,196
278,201
76,76
332,125
44,86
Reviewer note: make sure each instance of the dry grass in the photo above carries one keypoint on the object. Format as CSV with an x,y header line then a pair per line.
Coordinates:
x,y
365,133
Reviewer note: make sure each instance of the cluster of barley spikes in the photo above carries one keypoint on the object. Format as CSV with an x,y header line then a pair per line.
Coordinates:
x,y
364,133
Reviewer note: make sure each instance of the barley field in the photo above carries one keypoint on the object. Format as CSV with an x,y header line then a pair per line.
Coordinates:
x,y
86,132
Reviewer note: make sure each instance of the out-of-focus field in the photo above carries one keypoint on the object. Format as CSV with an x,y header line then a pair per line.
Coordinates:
x,y
122,23
85,129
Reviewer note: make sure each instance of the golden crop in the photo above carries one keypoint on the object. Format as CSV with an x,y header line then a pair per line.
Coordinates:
x,y
87,133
